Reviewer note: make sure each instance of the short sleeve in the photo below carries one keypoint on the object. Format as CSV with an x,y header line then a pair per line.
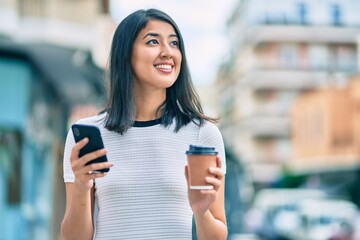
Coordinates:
x,y
69,144
210,135
68,173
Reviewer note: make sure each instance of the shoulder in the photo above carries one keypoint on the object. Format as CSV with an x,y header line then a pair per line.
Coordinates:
x,y
207,125
209,128
210,135
97,120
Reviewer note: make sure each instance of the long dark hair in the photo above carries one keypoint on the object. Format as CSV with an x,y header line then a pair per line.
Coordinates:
x,y
182,102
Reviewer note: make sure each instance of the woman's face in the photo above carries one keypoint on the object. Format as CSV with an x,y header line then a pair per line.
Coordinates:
x,y
156,57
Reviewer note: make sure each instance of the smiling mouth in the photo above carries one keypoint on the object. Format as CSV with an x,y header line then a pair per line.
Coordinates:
x,y
164,67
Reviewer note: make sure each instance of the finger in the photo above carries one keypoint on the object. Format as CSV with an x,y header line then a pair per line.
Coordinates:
x,y
91,156
217,172
97,166
92,176
96,175
214,181
79,166
75,151
208,192
187,174
218,162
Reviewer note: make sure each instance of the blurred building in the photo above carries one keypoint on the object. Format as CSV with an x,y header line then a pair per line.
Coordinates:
x,y
280,50
326,129
326,140
52,55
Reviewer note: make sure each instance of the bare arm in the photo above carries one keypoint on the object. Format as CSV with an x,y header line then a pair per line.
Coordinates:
x,y
212,223
78,220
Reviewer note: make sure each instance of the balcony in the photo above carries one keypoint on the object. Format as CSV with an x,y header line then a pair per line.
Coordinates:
x,y
266,126
291,79
297,33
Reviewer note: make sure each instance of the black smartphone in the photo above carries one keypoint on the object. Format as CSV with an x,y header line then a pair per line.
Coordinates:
x,y
81,131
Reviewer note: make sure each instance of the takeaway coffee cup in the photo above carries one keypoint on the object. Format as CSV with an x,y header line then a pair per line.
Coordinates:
x,y
200,158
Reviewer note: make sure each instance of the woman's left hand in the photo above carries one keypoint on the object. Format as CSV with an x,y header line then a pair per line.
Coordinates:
x,y
201,200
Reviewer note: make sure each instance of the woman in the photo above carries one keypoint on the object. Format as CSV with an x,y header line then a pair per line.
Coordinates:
x,y
152,116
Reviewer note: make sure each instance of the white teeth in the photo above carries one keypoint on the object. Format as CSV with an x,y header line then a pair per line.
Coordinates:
x,y
167,67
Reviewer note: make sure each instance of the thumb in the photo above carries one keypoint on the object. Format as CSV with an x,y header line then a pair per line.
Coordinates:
x,y
218,162
187,174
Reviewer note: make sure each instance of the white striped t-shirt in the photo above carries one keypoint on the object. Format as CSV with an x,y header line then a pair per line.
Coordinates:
x,y
144,196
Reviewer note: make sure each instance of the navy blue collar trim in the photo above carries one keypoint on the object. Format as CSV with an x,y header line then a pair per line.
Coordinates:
x,y
147,123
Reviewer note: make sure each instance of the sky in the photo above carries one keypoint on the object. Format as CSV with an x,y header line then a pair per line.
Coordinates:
x,y
202,24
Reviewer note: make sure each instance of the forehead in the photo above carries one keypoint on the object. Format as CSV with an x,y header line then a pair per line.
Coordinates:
x,y
158,27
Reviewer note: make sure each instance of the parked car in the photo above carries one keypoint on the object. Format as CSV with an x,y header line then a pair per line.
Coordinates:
x,y
274,214
324,219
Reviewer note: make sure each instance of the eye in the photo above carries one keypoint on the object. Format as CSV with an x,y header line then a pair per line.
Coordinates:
x,y
175,43
152,42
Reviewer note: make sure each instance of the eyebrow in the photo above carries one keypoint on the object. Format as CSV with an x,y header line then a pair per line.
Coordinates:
x,y
157,35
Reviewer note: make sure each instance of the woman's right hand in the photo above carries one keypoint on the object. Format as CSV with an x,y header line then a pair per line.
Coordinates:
x,y
84,178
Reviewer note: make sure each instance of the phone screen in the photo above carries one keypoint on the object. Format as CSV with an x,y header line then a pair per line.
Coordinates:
x,y
80,131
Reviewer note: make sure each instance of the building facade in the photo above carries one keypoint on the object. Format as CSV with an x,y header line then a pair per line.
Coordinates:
x,y
325,129
279,51
52,55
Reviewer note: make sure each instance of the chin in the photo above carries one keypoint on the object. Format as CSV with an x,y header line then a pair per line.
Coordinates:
x,y
167,83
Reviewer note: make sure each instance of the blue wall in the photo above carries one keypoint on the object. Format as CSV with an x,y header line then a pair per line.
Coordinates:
x,y
22,157
15,83
14,99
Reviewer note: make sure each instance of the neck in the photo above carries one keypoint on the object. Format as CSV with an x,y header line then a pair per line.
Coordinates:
x,y
147,106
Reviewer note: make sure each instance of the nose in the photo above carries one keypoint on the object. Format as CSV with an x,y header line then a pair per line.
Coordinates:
x,y
166,52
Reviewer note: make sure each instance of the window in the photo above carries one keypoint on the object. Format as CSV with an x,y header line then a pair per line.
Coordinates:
x,y
345,57
336,15
303,13
318,56
289,56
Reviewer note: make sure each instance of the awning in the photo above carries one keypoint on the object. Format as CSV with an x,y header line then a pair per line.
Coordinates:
x,y
70,72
